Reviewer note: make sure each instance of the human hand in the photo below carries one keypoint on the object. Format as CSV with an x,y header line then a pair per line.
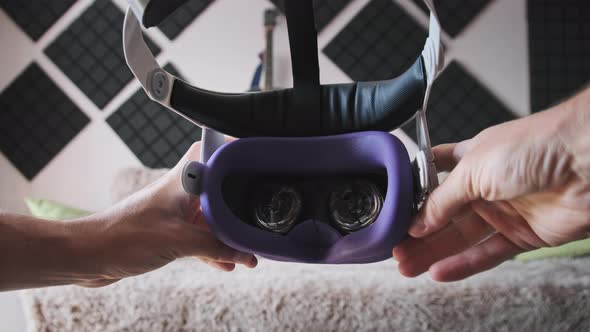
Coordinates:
x,y
514,187
149,230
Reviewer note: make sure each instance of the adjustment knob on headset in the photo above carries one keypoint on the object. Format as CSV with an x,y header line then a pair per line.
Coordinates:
x,y
191,177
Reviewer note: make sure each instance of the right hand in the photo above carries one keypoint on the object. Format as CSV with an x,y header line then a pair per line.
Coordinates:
x,y
512,188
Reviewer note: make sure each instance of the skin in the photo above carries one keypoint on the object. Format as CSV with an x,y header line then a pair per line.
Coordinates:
x,y
515,187
144,232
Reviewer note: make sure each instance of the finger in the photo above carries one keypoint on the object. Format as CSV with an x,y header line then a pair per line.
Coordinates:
x,y
446,201
484,256
417,255
465,226
508,221
446,156
97,283
203,244
199,221
227,267
194,151
412,246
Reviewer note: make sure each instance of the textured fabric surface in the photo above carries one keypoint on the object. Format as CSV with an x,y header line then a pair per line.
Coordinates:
x,y
549,295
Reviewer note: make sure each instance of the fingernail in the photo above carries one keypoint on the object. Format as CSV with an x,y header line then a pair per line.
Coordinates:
x,y
395,255
253,262
417,229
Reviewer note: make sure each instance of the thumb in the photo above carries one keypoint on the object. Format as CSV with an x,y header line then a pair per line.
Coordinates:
x,y
445,201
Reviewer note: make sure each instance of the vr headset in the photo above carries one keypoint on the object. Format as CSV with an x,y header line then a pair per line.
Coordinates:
x,y
314,177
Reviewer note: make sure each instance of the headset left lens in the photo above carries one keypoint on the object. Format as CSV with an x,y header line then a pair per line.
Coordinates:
x,y
276,207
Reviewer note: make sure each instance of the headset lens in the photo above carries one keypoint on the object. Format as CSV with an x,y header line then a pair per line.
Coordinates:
x,y
356,205
276,207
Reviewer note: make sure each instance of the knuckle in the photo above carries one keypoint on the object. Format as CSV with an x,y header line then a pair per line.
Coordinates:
x,y
433,212
219,252
469,178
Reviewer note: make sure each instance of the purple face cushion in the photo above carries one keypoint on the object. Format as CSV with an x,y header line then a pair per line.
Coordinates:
x,y
310,240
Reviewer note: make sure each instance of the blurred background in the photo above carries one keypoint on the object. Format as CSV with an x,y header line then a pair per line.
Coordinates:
x,y
72,117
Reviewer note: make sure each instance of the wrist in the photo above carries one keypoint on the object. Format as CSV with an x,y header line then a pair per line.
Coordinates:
x,y
575,131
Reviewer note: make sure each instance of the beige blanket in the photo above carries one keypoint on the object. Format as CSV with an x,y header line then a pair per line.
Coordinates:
x,y
189,296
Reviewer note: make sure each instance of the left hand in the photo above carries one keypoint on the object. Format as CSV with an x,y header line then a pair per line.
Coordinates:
x,y
150,229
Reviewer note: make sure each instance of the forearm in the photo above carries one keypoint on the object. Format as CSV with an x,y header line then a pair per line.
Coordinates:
x,y
40,253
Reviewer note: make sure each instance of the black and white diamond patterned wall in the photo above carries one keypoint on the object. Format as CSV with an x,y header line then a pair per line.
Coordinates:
x,y
455,15
461,107
379,43
69,66
89,52
36,121
182,17
559,48
35,17
324,10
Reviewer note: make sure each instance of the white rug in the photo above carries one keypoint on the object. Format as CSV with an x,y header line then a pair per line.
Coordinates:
x,y
550,295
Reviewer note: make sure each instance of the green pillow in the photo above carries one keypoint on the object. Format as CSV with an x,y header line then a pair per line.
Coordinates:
x,y
573,249
42,208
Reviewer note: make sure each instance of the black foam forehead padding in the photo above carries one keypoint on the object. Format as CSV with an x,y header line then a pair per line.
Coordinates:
x,y
307,109
157,11
344,108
